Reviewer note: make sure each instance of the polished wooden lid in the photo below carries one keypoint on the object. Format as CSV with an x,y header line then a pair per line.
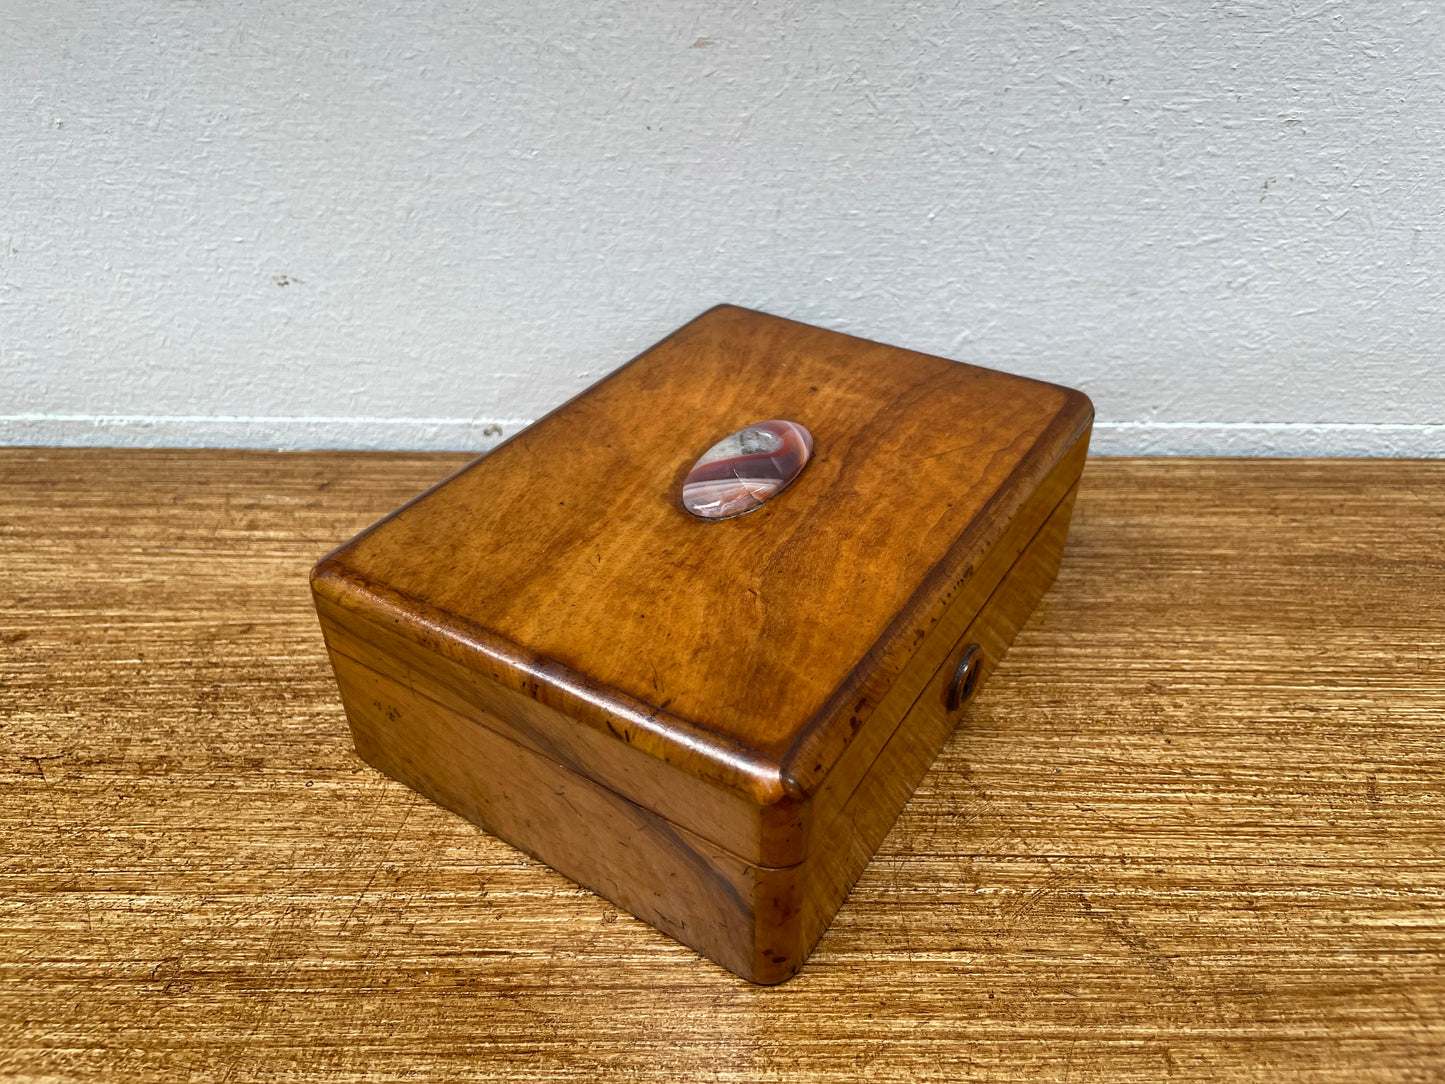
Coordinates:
x,y
567,552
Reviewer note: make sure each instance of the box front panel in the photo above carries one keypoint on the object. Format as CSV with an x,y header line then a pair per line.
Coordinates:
x,y
726,818
699,894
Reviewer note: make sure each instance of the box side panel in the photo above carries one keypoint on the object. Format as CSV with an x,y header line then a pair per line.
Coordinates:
x,y
843,847
670,878
945,597
1000,560
721,815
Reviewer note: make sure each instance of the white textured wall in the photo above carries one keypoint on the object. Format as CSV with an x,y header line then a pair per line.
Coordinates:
x,y
387,225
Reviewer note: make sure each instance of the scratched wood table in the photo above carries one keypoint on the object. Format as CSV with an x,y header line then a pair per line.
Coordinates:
x,y
1193,828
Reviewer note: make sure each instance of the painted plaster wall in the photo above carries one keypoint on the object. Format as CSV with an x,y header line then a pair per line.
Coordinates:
x,y
420,225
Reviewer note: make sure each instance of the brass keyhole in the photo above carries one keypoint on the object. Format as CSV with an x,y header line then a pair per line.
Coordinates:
x,y
965,677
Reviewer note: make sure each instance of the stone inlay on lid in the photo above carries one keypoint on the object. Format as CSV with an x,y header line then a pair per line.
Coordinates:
x,y
742,471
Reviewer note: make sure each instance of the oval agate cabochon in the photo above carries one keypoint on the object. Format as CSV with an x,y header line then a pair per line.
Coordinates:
x,y
742,471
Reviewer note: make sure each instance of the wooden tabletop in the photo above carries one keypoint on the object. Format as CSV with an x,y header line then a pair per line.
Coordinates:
x,y
1193,828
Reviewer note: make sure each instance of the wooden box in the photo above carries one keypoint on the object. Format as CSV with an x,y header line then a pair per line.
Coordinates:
x,y
710,722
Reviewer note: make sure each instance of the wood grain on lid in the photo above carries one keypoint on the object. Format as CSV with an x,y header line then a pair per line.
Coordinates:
x,y
569,541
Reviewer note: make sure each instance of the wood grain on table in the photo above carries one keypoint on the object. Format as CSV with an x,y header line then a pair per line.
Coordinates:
x,y
1193,827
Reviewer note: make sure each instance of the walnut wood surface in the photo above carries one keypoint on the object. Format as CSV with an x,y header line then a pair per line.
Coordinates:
x,y
568,550
1193,828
